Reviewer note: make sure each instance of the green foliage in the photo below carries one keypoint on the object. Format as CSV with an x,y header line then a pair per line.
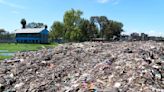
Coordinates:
x,y
70,29
35,25
72,20
7,35
75,28
76,34
57,30
89,30
108,28
113,28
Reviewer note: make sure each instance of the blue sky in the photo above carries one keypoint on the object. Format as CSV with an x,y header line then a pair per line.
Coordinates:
x,y
136,15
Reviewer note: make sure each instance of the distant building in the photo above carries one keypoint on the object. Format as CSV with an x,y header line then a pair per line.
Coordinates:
x,y
140,37
124,37
98,39
32,35
154,38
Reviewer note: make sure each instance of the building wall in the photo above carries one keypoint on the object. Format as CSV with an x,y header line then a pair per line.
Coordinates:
x,y
33,37
28,38
44,36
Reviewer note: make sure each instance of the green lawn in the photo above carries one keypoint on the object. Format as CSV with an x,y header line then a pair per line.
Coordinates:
x,y
13,47
4,57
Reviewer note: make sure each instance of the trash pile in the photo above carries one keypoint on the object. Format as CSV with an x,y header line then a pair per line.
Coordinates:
x,y
86,67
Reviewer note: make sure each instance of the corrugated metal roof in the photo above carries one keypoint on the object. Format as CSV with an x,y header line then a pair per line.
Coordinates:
x,y
29,30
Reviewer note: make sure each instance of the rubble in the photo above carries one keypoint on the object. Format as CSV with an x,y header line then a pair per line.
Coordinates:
x,y
87,66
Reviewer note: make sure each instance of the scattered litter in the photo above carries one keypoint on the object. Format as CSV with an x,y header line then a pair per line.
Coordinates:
x,y
87,66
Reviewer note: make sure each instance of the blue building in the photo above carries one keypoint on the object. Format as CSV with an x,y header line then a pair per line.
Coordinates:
x,y
32,35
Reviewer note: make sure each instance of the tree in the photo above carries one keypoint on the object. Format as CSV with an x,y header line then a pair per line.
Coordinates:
x,y
102,21
113,28
89,30
2,31
57,30
23,22
72,17
72,20
6,35
144,36
69,30
108,28
75,28
35,25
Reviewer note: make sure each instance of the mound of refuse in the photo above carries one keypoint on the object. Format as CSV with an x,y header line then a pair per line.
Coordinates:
x,y
86,67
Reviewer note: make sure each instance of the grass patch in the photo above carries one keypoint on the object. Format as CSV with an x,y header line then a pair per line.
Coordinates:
x,y
5,57
15,47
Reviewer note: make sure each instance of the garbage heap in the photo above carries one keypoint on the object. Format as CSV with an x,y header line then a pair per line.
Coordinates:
x,y
86,67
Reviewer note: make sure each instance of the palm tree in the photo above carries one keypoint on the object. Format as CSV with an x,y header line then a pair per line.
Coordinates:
x,y
23,22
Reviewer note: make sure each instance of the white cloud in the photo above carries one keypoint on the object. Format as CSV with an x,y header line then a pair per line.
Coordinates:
x,y
114,2
11,4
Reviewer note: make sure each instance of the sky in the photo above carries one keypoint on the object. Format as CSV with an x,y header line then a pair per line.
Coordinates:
x,y
137,15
